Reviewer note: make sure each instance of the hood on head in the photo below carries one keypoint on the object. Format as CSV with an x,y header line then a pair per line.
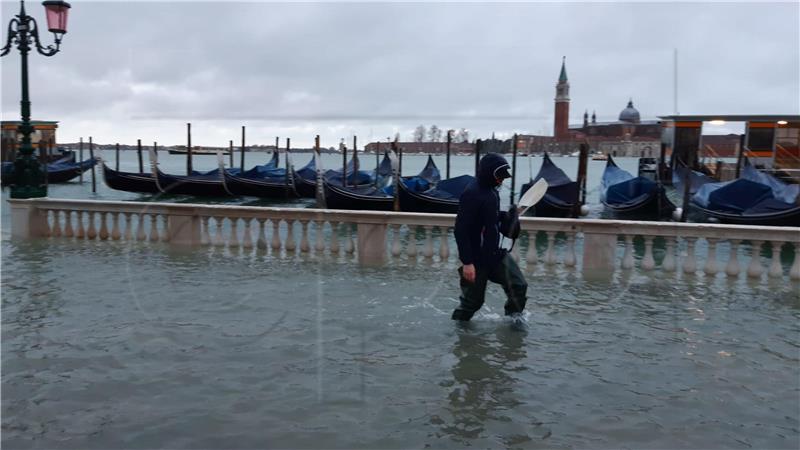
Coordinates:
x,y
489,167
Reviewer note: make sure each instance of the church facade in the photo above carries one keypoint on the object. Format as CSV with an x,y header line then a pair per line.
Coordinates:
x,y
626,136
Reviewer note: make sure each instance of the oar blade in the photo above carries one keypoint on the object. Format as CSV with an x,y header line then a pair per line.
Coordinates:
x,y
533,195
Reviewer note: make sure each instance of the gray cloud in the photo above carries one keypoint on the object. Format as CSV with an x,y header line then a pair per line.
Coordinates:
x,y
142,69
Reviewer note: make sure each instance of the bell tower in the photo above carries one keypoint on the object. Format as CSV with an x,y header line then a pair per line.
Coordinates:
x,y
561,124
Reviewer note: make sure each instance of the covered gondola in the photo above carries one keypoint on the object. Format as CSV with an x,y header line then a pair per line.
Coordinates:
x,y
269,169
130,181
626,195
60,171
562,197
442,198
375,197
254,185
369,198
196,185
305,178
755,198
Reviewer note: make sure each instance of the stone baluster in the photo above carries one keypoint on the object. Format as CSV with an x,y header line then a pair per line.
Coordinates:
x,y
755,269
115,233
627,257
291,245
794,271
775,268
247,238
444,249
128,227
396,240
711,260
349,246
304,244
91,232
732,269
80,233
690,263
569,258
219,241
261,242
68,232
427,249
233,239
550,253
669,255
153,228
648,261
55,231
47,231
103,226
205,236
411,249
319,237
140,235
531,257
164,229
275,242
334,238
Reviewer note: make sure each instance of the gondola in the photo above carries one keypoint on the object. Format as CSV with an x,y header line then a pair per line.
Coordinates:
x,y
256,185
269,169
60,171
195,185
130,181
305,179
562,196
374,197
755,198
626,195
442,198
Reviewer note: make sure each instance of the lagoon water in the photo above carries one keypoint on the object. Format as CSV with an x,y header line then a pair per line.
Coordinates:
x,y
134,345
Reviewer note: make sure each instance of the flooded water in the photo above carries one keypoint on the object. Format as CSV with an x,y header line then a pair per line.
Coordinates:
x,y
133,345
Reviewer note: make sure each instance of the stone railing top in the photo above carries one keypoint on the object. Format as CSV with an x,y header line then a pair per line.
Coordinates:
x,y
595,226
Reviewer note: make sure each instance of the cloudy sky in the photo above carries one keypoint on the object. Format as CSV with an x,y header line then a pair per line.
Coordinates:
x,y
132,70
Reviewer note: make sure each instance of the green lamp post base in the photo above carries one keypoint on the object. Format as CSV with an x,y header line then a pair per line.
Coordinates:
x,y
28,178
27,191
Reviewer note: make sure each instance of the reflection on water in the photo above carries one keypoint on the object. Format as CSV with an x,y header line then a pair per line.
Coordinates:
x,y
485,387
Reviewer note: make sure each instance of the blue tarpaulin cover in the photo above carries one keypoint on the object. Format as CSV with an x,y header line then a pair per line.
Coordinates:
x,y
452,188
738,196
620,186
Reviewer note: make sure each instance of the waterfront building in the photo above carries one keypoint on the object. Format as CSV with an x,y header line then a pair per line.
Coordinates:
x,y
43,131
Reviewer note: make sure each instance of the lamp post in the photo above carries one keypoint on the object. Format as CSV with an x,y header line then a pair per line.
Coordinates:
x,y
23,31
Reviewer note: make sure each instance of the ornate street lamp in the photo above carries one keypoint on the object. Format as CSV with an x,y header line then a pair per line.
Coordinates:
x,y
23,31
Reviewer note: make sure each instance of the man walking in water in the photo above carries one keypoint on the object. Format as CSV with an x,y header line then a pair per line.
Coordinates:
x,y
478,227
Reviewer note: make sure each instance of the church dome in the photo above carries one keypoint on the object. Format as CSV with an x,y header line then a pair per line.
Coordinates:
x,y
629,114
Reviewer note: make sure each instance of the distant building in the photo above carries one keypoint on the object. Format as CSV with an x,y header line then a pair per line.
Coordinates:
x,y
45,130
428,148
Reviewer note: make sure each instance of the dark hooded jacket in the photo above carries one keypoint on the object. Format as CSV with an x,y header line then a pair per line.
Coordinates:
x,y
477,229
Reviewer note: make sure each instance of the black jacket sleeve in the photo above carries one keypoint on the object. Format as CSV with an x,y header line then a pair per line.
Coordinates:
x,y
466,220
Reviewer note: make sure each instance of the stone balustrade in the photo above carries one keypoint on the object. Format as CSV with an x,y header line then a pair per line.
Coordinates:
x,y
590,245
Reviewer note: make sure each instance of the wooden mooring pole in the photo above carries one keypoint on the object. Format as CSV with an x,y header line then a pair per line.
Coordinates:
x,y
241,161
91,155
188,149
139,155
116,152
80,157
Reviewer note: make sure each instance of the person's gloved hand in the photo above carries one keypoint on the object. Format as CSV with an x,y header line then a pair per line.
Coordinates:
x,y
509,223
